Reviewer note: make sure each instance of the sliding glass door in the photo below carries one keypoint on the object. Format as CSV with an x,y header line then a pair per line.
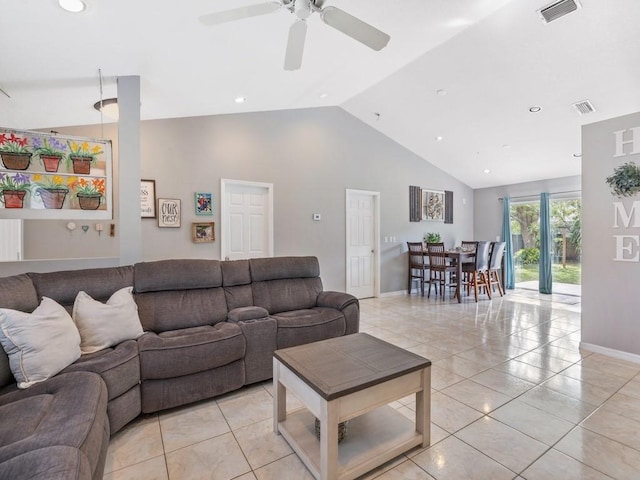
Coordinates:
x,y
566,248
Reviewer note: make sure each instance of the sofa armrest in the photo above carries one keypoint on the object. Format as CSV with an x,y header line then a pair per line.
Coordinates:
x,y
337,300
347,304
245,314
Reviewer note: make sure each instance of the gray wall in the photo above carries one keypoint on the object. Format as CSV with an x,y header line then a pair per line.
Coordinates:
x,y
610,300
487,208
311,156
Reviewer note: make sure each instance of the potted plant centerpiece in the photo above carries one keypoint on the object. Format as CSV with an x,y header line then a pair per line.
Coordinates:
x,y
81,156
88,192
432,238
50,151
13,189
15,152
52,189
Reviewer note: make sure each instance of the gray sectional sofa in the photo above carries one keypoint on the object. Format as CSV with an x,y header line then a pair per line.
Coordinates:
x,y
210,327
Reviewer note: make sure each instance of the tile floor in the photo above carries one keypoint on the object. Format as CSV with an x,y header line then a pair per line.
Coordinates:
x,y
513,398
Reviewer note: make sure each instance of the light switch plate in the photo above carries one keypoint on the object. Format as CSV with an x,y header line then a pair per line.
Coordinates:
x,y
317,217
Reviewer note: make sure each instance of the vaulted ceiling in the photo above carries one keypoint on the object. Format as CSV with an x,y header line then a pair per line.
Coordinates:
x,y
454,85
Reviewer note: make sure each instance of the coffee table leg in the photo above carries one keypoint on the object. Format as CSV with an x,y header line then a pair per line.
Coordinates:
x,y
328,441
279,397
423,408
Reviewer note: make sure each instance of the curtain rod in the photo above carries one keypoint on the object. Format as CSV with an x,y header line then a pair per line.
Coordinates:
x,y
537,195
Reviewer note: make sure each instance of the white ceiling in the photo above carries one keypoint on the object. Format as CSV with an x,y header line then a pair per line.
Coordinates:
x,y
494,59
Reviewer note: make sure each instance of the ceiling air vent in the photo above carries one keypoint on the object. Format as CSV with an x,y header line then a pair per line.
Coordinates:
x,y
558,9
584,107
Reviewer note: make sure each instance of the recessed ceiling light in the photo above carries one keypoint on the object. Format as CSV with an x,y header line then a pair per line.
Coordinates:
x,y
506,146
535,109
439,138
74,6
577,155
240,99
486,170
323,95
441,92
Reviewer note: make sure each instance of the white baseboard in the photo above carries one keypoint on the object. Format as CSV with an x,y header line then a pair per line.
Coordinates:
x,y
610,352
393,294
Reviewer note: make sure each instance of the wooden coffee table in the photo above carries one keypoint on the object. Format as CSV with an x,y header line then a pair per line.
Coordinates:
x,y
353,378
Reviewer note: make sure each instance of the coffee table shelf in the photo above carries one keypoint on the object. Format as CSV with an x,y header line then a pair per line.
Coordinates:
x,y
372,439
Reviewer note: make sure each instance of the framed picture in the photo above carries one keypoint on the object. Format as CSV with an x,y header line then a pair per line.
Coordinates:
x,y
433,205
204,203
169,212
203,232
148,198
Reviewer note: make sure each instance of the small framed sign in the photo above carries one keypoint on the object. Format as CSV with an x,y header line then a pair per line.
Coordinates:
x,y
148,198
203,232
169,212
204,203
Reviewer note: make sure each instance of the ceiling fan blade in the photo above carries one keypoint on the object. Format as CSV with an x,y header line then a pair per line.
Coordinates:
x,y
239,13
295,45
354,28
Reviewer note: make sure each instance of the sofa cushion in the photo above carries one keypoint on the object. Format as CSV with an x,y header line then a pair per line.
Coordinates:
x,y
190,350
103,325
178,309
48,463
288,294
38,344
119,367
18,292
75,408
185,274
276,268
310,325
100,283
235,272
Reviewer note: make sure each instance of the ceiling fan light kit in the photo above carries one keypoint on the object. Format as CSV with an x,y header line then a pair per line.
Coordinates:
x,y
334,17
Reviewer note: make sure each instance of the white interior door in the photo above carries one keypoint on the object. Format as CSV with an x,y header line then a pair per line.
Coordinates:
x,y
247,219
362,243
10,240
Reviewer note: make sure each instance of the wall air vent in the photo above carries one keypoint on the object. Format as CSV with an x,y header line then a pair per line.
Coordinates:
x,y
584,107
558,9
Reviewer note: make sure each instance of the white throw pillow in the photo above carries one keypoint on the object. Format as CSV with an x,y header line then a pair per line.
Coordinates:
x,y
38,344
103,325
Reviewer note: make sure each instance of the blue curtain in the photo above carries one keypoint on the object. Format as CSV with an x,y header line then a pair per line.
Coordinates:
x,y
544,266
509,275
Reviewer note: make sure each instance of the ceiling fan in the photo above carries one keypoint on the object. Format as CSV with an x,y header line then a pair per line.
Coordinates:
x,y
302,9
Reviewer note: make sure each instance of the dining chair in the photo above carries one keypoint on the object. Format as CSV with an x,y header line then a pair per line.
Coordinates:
x,y
417,266
495,265
477,273
439,268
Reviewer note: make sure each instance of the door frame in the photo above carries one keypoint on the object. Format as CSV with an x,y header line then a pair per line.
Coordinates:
x,y
376,237
225,183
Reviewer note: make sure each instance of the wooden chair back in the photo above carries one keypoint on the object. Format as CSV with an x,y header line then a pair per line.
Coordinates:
x,y
416,254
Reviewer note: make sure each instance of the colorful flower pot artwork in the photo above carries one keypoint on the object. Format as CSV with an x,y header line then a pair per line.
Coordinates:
x,y
81,165
16,161
51,162
13,198
89,201
53,197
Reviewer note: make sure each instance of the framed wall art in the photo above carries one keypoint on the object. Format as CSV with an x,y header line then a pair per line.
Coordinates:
x,y
433,205
204,203
203,232
169,212
50,176
148,198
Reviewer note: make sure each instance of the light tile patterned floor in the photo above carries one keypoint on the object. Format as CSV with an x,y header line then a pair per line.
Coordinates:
x,y
513,398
